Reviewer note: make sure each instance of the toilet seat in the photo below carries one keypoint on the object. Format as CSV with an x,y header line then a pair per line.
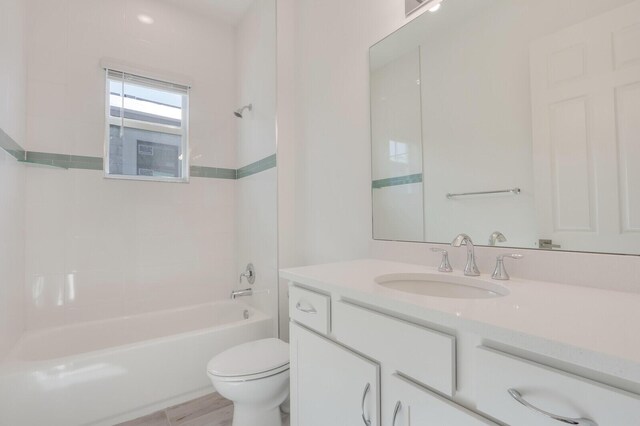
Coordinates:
x,y
250,377
250,361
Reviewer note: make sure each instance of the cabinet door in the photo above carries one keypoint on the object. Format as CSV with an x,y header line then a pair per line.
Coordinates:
x,y
409,404
330,385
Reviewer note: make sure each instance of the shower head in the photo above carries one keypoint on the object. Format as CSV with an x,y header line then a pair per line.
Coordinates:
x,y
238,113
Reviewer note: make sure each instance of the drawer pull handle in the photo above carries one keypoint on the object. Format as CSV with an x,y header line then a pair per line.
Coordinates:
x,y
310,310
566,420
366,421
395,413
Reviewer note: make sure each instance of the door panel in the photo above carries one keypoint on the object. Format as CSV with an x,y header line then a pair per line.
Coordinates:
x,y
585,89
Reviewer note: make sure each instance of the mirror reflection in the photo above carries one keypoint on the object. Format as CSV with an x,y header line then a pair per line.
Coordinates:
x,y
516,122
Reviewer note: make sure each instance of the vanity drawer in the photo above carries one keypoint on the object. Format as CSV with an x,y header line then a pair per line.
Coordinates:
x,y
545,388
408,404
425,355
310,309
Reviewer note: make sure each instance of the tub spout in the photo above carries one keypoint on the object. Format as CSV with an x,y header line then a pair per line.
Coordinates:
x,y
241,293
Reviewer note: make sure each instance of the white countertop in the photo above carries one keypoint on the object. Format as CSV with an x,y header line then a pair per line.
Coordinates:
x,y
566,320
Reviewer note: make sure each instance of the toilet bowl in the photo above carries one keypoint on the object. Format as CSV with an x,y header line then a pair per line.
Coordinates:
x,y
255,377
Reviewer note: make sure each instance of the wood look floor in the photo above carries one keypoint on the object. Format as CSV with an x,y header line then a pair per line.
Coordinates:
x,y
209,410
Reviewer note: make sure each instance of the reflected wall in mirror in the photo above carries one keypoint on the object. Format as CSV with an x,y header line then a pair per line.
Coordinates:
x,y
519,118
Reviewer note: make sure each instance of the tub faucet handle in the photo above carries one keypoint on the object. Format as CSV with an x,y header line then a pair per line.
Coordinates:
x,y
249,274
445,266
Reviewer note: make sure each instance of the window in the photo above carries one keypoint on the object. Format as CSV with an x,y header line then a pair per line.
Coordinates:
x,y
147,128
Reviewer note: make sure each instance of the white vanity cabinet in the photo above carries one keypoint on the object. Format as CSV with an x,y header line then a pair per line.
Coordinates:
x,y
354,363
331,385
406,403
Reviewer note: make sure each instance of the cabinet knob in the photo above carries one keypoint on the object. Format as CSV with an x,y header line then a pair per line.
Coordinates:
x,y
566,420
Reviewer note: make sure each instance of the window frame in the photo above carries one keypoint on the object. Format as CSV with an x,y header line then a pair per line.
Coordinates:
x,y
153,83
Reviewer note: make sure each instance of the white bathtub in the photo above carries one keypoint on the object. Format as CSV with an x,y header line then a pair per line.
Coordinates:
x,y
104,372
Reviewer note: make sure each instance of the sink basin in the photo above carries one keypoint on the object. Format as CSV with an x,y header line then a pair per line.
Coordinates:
x,y
443,285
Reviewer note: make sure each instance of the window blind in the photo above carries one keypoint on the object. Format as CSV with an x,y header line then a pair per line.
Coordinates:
x,y
145,81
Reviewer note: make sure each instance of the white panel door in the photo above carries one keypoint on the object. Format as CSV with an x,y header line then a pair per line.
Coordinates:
x,y
585,84
407,404
330,385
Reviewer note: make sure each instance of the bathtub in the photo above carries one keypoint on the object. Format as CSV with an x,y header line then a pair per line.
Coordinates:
x,y
105,372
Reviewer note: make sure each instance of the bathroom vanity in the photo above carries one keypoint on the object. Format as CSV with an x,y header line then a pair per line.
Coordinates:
x,y
515,122
517,352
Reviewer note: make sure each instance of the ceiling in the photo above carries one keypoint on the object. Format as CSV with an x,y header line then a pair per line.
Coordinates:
x,y
230,11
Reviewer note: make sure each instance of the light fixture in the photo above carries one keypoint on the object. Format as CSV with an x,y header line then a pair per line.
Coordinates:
x,y
145,19
435,6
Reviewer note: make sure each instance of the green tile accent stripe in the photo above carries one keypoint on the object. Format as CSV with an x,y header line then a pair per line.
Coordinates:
x,y
257,167
395,181
12,147
212,172
64,161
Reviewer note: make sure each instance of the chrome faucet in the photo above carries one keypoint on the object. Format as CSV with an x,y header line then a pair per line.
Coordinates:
x,y
500,273
241,293
470,269
445,266
249,274
497,237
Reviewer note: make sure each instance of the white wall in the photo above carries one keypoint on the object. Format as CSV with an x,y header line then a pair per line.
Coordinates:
x,y
333,205
256,205
333,172
99,248
12,122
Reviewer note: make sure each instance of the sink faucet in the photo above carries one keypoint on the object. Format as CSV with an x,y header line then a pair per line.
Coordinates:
x,y
497,237
470,269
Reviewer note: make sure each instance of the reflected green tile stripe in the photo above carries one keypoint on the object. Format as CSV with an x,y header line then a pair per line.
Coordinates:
x,y
64,161
257,167
212,172
12,147
395,181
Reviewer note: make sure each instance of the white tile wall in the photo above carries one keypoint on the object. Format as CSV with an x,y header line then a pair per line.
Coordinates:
x,y
12,185
256,64
392,223
11,250
99,248
257,237
67,39
256,204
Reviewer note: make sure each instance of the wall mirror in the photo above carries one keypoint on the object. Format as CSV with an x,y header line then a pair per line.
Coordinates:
x,y
516,122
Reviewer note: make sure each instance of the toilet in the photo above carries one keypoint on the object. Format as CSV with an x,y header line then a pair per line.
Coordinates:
x,y
255,376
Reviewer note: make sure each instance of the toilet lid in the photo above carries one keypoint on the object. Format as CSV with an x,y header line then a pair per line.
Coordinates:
x,y
250,358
